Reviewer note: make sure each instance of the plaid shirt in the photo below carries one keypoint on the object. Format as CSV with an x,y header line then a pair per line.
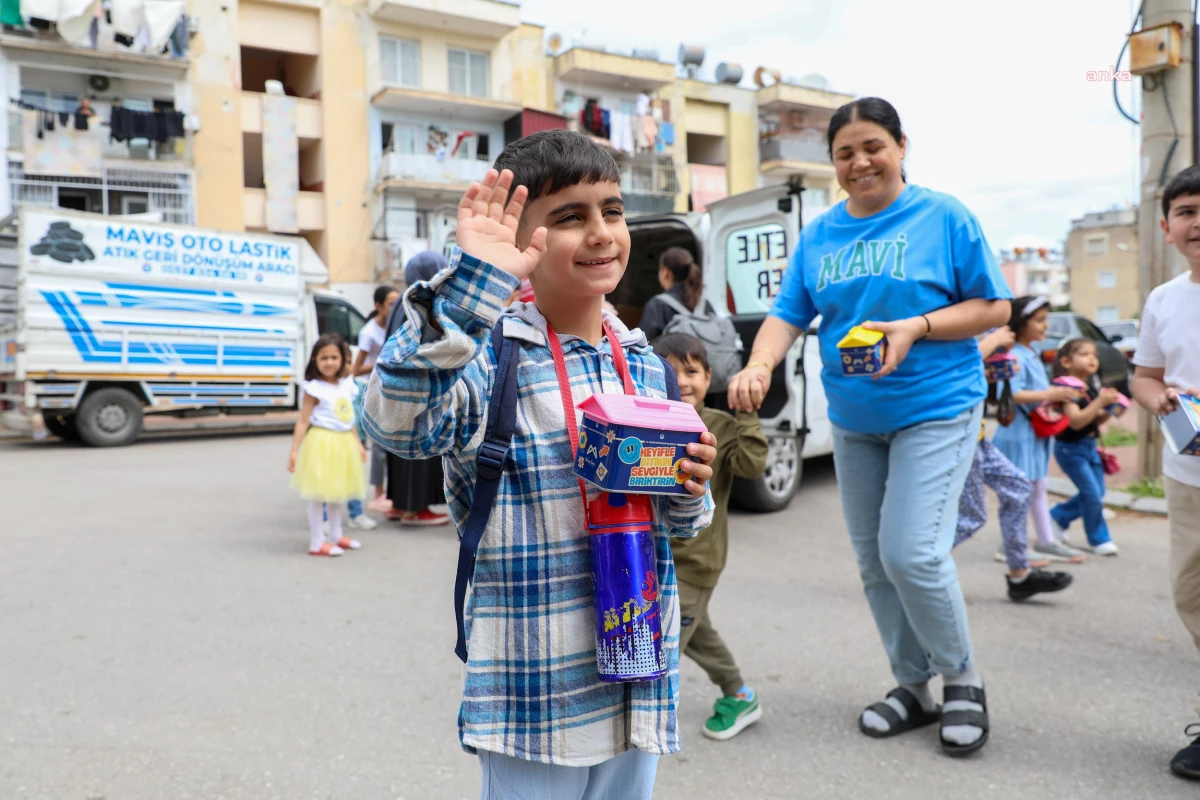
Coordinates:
x,y
531,688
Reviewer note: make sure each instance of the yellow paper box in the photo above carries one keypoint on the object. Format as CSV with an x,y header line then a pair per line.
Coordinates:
x,y
862,351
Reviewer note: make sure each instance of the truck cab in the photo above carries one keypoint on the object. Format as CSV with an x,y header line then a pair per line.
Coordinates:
x,y
744,243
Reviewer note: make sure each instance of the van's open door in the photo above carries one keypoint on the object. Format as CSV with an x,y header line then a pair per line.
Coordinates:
x,y
749,241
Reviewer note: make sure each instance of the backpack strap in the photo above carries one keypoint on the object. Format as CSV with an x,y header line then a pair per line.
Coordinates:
x,y
672,381
502,417
674,303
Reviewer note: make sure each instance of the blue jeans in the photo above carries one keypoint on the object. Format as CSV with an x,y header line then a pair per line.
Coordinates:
x,y
1081,462
629,776
900,494
353,509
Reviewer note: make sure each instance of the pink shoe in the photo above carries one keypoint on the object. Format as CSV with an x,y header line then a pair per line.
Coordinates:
x,y
346,543
327,549
425,519
380,505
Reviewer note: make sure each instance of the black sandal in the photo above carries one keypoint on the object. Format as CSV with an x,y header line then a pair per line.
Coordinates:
x,y
978,719
917,717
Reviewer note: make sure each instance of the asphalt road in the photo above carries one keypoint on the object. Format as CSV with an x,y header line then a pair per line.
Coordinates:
x,y
164,635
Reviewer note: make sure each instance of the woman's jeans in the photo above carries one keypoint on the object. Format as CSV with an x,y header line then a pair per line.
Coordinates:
x,y
900,494
1081,463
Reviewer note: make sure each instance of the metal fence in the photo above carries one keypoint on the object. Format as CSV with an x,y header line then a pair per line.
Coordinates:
x,y
649,187
169,192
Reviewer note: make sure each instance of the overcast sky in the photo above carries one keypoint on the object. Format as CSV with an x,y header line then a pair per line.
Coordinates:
x,y
993,96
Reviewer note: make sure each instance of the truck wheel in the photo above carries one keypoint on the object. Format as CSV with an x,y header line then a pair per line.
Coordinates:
x,y
774,490
109,418
61,425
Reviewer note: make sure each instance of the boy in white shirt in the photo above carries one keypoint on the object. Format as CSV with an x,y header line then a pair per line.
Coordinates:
x,y
1167,364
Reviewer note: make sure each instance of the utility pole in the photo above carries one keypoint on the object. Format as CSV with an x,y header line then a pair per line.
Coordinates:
x,y
1158,262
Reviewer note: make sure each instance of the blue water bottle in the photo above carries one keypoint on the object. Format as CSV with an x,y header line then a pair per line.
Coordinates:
x,y
629,641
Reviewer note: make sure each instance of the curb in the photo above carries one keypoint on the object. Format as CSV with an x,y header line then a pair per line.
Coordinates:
x,y
1114,499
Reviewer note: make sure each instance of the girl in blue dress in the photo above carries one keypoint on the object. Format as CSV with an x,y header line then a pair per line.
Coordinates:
x,y
1018,442
913,264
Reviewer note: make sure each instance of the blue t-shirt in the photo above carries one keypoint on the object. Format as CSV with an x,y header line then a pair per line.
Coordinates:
x,y
923,252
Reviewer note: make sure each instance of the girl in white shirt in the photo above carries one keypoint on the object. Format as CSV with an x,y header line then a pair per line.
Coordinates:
x,y
327,456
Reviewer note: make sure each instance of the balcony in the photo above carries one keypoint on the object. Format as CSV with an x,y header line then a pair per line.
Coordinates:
x,y
648,186
116,190
420,171
49,50
444,105
803,154
310,210
611,70
309,124
783,95
488,18
173,153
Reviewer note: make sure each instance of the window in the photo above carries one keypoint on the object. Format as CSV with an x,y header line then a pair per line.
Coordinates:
x,y
1106,279
135,204
1090,331
51,101
1060,328
400,62
337,316
1096,245
1107,314
755,259
399,138
469,73
818,198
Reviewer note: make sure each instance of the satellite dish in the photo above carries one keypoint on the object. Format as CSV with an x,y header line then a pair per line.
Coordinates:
x,y
554,43
729,73
814,81
762,73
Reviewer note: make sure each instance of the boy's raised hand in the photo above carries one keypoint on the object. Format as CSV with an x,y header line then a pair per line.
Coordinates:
x,y
487,229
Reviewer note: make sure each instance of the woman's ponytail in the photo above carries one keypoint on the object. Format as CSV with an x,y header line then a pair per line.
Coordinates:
x,y
685,271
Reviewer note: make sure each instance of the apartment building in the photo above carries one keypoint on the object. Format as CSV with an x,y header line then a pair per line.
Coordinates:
x,y
1102,251
793,120
97,117
448,83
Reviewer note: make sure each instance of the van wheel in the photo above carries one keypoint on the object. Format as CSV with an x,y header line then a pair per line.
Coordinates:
x,y
61,425
778,484
109,418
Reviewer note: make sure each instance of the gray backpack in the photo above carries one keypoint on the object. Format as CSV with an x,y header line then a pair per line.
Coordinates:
x,y
718,334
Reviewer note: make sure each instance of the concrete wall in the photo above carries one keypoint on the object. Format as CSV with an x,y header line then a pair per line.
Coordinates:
x,y
714,108
215,76
347,185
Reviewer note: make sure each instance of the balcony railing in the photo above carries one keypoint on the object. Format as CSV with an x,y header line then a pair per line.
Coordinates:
x,y
795,148
176,151
423,168
648,187
165,191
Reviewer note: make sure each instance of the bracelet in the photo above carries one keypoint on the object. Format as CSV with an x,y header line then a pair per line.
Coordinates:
x,y
760,364
928,327
762,350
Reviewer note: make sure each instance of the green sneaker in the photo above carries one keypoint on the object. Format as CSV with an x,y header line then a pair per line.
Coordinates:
x,y
730,716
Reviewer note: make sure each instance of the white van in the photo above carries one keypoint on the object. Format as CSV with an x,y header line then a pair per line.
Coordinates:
x,y
743,243
103,320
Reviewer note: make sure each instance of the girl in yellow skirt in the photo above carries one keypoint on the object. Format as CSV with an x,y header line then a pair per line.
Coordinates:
x,y
327,456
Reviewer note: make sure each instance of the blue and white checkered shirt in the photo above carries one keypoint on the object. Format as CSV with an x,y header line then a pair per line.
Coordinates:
x,y
531,688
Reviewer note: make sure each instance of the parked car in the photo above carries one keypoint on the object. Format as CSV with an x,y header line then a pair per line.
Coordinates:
x,y
743,243
1123,334
1064,325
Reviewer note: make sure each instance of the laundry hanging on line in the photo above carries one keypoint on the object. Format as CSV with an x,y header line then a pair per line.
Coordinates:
x,y
157,126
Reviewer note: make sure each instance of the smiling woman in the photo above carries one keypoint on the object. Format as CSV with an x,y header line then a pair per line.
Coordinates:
x,y
914,265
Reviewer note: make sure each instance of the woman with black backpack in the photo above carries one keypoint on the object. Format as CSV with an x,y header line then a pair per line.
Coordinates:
x,y
680,277
681,308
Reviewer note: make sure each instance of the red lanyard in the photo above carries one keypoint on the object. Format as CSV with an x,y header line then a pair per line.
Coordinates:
x,y
564,387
